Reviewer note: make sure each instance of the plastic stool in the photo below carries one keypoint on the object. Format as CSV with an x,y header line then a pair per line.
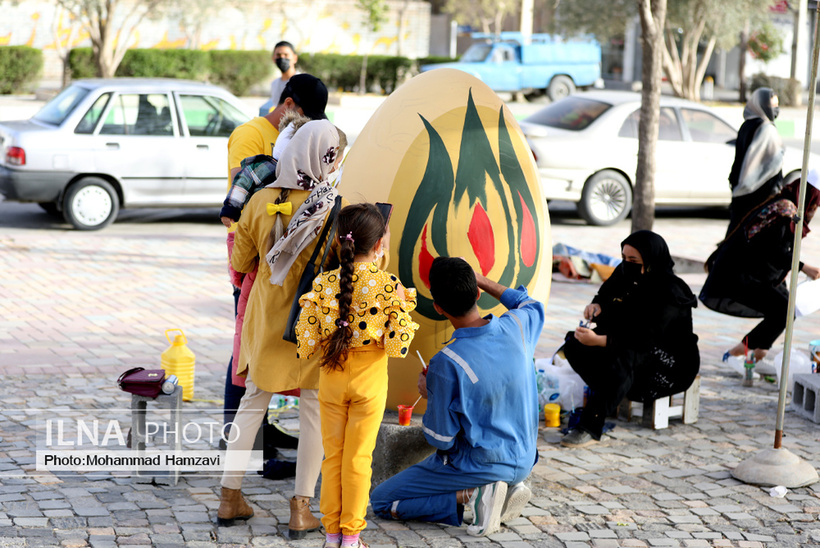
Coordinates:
x,y
657,415
172,401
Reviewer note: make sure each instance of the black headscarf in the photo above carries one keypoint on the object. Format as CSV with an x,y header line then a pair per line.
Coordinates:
x,y
659,280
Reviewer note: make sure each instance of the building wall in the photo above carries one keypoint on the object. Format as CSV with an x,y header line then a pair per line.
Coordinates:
x,y
312,26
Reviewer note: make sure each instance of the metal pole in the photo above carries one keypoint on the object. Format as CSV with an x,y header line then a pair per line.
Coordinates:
x,y
798,238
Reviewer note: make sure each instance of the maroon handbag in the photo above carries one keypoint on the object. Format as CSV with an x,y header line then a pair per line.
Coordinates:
x,y
142,382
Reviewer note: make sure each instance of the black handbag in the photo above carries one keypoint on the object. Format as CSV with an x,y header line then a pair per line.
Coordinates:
x,y
312,269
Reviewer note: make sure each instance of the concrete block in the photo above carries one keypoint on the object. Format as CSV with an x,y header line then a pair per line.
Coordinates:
x,y
398,447
806,396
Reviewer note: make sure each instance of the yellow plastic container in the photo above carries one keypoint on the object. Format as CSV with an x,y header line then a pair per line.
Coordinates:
x,y
552,415
180,361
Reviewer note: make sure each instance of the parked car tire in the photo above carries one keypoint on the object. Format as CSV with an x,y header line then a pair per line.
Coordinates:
x,y
90,204
51,208
560,86
606,198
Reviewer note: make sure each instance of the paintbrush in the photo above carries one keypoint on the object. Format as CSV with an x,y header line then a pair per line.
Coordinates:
x,y
423,365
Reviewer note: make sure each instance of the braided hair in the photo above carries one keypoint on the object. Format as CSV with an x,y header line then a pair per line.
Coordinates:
x,y
360,227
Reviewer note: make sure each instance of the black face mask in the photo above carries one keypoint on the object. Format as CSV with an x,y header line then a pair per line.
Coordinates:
x,y
283,64
632,271
775,112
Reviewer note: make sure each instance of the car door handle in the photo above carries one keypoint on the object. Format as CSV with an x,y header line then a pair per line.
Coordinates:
x,y
114,146
203,147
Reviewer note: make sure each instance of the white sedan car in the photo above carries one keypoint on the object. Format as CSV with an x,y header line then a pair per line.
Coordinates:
x,y
586,149
101,145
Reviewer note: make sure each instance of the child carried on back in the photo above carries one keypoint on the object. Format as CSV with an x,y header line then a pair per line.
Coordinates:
x,y
257,172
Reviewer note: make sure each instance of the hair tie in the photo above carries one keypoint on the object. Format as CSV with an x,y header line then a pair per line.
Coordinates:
x,y
349,237
341,323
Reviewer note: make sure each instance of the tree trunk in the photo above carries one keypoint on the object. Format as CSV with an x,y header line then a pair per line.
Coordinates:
x,y
653,16
363,76
741,69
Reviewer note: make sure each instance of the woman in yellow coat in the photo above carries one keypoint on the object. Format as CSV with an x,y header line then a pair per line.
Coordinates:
x,y
300,200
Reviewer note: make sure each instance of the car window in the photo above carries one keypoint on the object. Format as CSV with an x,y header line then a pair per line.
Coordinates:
x,y
705,127
502,54
139,114
208,116
476,53
668,128
89,121
573,113
57,110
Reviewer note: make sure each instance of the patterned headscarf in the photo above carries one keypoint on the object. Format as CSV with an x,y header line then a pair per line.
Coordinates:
x,y
785,205
305,165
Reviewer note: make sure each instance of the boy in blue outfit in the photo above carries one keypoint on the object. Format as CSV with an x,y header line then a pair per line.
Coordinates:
x,y
482,409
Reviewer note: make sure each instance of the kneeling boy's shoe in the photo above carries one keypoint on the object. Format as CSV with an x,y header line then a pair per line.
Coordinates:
x,y
578,438
489,499
517,498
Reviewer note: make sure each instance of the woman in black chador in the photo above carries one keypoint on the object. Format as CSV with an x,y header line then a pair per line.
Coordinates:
x,y
747,272
756,173
642,345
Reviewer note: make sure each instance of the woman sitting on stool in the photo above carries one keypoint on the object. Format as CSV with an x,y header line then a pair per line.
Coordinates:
x,y
642,345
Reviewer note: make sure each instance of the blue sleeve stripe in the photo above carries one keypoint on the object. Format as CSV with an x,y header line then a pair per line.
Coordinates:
x,y
460,361
528,301
435,435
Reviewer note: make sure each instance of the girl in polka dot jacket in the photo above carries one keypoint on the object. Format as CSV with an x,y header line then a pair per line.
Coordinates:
x,y
357,316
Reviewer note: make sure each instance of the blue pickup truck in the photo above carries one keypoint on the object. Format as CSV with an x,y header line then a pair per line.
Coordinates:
x,y
543,64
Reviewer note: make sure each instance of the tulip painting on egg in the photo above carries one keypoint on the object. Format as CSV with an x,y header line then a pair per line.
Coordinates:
x,y
447,153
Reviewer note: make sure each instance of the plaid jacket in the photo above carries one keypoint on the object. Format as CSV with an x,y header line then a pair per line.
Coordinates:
x,y
255,172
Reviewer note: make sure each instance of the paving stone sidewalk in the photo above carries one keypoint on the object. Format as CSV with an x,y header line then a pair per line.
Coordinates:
x,y
76,309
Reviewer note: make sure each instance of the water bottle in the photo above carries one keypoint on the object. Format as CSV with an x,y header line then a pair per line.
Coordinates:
x,y
748,377
169,384
178,360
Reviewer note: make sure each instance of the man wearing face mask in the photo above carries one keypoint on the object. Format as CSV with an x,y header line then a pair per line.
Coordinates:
x,y
756,173
284,57
642,345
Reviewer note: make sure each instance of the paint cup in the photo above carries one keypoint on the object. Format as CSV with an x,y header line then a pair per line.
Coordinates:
x,y
552,415
814,352
405,414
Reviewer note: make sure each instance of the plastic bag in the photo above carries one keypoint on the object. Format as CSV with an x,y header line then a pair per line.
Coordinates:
x,y
798,363
559,383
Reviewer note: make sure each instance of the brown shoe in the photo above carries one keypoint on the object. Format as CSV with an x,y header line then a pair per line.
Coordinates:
x,y
301,520
232,506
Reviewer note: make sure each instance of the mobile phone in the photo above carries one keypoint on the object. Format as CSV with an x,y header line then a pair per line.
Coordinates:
x,y
386,210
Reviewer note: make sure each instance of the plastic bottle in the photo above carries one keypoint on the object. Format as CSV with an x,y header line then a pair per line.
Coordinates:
x,y
180,361
748,377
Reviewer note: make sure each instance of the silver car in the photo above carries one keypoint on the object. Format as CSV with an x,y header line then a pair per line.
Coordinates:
x,y
105,144
586,149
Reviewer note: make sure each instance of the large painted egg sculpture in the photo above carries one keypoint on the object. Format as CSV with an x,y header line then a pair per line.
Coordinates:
x,y
447,152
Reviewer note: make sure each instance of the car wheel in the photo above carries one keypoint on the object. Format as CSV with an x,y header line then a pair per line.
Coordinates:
x,y
90,204
560,87
50,208
606,199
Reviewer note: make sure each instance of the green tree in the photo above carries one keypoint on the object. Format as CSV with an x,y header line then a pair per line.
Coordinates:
x,y
375,15
486,14
692,31
110,25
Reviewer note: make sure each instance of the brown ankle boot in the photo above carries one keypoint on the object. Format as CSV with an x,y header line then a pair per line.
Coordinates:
x,y
232,506
301,520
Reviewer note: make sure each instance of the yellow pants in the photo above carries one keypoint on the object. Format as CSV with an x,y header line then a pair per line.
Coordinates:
x,y
351,404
